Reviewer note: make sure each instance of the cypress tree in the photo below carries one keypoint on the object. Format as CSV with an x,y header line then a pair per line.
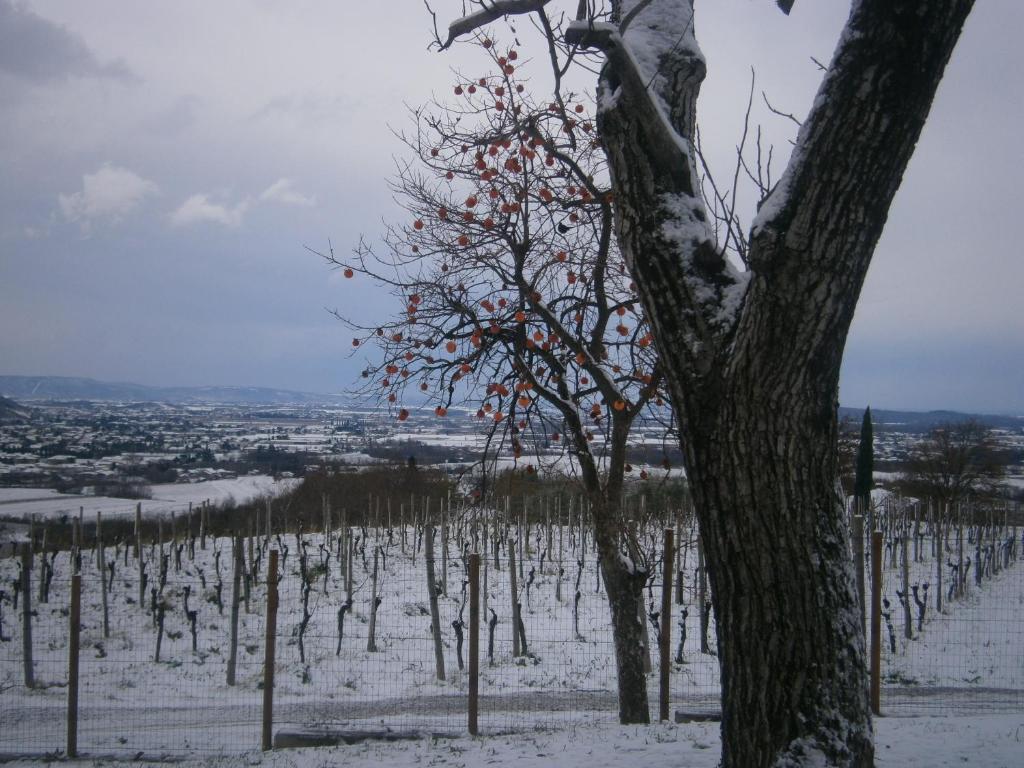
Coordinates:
x,y
864,480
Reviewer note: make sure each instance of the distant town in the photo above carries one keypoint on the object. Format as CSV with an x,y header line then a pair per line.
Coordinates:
x,y
176,453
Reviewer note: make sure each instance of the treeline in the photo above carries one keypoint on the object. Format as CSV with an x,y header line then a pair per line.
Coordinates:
x,y
384,496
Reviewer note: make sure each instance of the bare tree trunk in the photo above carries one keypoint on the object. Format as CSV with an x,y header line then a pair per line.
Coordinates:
x,y
623,581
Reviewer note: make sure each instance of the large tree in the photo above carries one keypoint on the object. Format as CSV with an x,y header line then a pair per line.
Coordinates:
x,y
752,355
955,462
513,299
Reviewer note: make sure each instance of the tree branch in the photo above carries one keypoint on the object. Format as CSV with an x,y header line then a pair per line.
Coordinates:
x,y
814,238
488,13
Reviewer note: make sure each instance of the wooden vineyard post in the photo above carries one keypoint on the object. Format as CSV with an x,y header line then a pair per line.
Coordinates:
x,y
665,639
101,566
73,646
42,567
561,554
702,592
26,612
270,644
940,556
474,642
138,530
483,595
858,559
348,563
435,617
908,620
511,556
679,565
876,622
371,634
236,599
444,551
138,557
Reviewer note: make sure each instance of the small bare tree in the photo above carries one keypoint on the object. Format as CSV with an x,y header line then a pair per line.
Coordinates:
x,y
955,462
516,303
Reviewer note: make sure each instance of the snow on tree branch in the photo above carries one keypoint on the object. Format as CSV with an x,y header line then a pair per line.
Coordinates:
x,y
489,12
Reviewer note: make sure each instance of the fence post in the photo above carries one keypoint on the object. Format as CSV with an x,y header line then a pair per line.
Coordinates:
x,y
371,633
858,559
138,556
236,598
474,642
908,619
26,612
101,565
940,556
665,639
876,622
435,617
511,556
271,642
73,645
702,596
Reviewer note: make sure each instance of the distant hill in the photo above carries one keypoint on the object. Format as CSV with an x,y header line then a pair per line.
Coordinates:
x,y
74,388
11,412
28,388
923,421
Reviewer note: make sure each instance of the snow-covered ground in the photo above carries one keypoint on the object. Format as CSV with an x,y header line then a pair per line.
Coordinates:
x,y
994,741
182,705
23,503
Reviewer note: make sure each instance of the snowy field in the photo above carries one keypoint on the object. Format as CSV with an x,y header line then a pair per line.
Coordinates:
x,y
995,741
969,659
23,503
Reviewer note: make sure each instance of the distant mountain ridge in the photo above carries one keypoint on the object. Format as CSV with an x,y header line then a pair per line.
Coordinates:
x,y
75,388
922,421
28,388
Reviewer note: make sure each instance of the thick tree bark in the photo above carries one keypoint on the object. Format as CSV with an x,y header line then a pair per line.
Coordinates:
x,y
753,360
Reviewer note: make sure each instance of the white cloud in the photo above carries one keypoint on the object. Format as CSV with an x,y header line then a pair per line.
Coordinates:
x,y
110,193
199,208
282,191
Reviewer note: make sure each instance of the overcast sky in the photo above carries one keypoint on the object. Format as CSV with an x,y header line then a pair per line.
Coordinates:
x,y
163,166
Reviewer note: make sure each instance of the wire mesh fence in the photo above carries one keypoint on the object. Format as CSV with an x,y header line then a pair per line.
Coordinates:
x,y
952,610
373,631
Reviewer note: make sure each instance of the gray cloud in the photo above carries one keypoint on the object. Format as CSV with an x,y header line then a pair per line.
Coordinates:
x,y
283,191
108,194
35,49
199,209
